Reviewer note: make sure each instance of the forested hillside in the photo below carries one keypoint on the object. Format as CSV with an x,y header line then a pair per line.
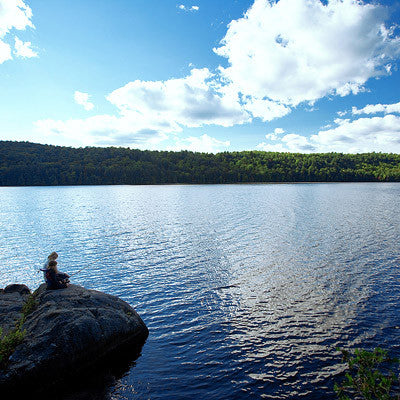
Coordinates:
x,y
24,163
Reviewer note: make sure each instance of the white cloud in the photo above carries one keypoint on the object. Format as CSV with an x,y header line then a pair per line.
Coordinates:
x,y
380,134
280,54
377,108
289,143
341,121
150,111
104,130
186,8
298,143
293,51
83,100
193,101
275,134
14,14
23,49
361,135
5,52
129,130
204,144
272,147
266,110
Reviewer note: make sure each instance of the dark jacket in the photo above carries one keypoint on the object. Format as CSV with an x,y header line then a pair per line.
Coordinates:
x,y
53,281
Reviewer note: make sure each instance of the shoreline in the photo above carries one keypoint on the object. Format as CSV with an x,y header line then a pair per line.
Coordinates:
x,y
208,184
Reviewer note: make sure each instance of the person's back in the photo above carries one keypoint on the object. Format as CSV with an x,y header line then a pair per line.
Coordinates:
x,y
53,281
51,257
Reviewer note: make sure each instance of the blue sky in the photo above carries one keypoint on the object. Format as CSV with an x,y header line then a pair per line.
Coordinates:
x,y
287,75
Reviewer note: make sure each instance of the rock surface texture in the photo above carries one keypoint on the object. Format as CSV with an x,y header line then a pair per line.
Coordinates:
x,y
70,330
12,299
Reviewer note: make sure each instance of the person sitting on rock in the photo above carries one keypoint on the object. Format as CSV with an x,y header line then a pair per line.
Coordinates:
x,y
52,257
55,279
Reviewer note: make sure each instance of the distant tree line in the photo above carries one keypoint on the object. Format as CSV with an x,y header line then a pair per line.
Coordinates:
x,y
24,163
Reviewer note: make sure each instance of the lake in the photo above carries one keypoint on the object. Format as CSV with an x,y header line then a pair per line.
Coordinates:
x,y
246,289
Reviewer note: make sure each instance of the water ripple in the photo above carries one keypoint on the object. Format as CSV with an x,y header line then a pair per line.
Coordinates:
x,y
247,290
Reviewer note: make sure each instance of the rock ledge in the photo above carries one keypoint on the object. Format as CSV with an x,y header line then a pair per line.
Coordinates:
x,y
70,330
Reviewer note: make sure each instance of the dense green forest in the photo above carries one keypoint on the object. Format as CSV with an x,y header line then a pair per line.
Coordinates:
x,y
24,163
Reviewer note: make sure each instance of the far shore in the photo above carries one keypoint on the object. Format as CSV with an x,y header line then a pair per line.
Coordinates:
x,y
206,184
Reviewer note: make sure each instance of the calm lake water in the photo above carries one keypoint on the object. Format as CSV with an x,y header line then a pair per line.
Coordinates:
x,y
246,289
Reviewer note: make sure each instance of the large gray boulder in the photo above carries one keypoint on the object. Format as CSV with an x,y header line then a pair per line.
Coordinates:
x,y
70,330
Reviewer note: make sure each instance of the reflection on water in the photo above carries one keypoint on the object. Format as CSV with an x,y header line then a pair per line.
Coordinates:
x,y
246,289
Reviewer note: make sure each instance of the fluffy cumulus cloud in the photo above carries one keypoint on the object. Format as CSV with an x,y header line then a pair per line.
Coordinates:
x,y
14,14
377,108
275,134
279,54
83,100
347,136
361,135
294,51
264,109
288,143
128,130
193,101
104,130
204,144
150,111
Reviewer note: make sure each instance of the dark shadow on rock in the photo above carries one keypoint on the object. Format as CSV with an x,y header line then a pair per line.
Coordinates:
x,y
93,384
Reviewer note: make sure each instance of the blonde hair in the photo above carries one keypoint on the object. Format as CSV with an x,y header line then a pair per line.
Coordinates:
x,y
52,256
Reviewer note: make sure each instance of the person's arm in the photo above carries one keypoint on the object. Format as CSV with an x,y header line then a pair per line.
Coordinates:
x,y
60,280
62,275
